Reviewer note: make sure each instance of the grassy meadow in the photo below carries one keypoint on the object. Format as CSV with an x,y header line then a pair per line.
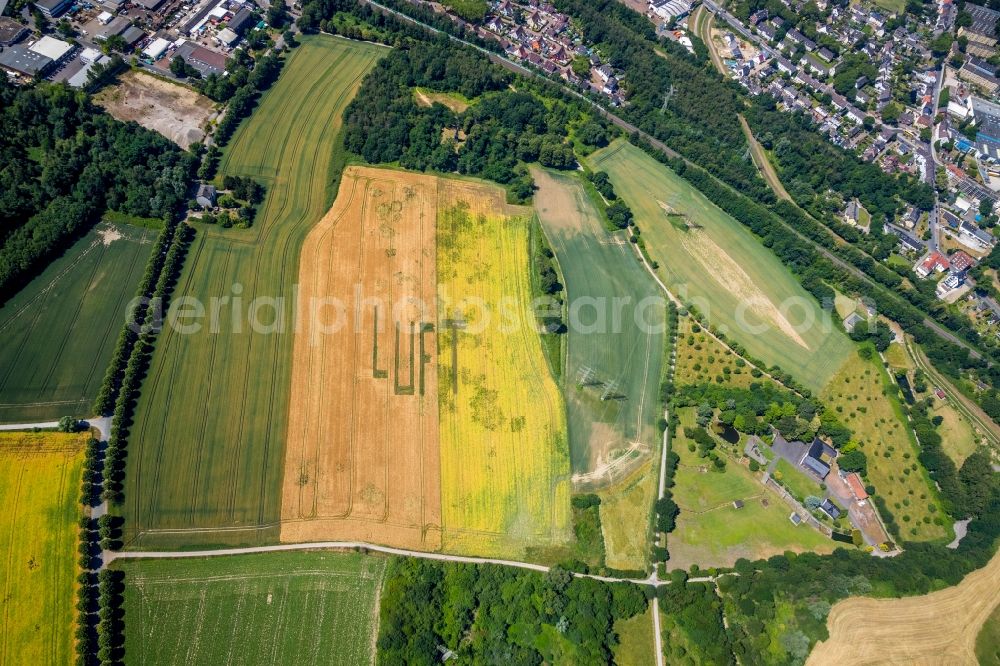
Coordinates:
x,y
711,531
621,345
988,639
626,512
59,331
636,644
207,448
710,260
505,482
959,438
40,477
267,608
865,400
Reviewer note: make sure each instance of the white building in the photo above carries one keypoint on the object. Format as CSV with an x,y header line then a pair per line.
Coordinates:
x,y
50,47
156,48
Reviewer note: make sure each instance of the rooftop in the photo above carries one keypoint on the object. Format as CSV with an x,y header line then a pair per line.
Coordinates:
x,y
19,59
51,47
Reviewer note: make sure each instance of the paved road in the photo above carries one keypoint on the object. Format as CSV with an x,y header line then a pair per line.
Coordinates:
x,y
29,426
110,556
102,423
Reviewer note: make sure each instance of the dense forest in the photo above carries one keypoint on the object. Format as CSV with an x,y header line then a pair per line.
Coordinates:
x,y
499,615
502,129
65,162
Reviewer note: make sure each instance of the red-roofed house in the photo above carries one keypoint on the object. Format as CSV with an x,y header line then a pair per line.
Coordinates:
x,y
935,261
857,488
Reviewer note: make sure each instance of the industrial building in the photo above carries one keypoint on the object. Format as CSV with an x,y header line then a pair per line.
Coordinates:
x,y
20,60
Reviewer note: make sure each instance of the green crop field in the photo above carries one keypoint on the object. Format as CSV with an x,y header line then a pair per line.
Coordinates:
x,y
710,260
623,345
265,608
59,330
711,531
207,449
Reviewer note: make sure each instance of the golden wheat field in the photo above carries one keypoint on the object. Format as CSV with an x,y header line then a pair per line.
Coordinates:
x,y
428,418
361,460
936,628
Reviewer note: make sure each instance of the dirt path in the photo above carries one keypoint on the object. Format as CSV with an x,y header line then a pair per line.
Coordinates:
x,y
110,556
940,627
764,165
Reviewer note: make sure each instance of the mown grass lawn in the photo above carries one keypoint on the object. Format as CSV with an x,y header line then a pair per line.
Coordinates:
x,y
796,481
711,531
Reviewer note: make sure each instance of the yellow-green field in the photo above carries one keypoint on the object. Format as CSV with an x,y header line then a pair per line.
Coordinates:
x,y
858,394
40,477
711,531
505,477
710,260
204,461
626,511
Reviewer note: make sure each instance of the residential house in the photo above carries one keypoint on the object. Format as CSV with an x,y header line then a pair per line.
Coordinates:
x,y
933,262
818,458
830,509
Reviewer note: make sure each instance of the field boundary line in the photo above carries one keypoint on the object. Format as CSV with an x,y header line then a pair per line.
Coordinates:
x,y
362,546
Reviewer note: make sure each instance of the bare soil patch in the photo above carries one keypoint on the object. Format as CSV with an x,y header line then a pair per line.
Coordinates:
x,y
936,628
362,457
173,110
